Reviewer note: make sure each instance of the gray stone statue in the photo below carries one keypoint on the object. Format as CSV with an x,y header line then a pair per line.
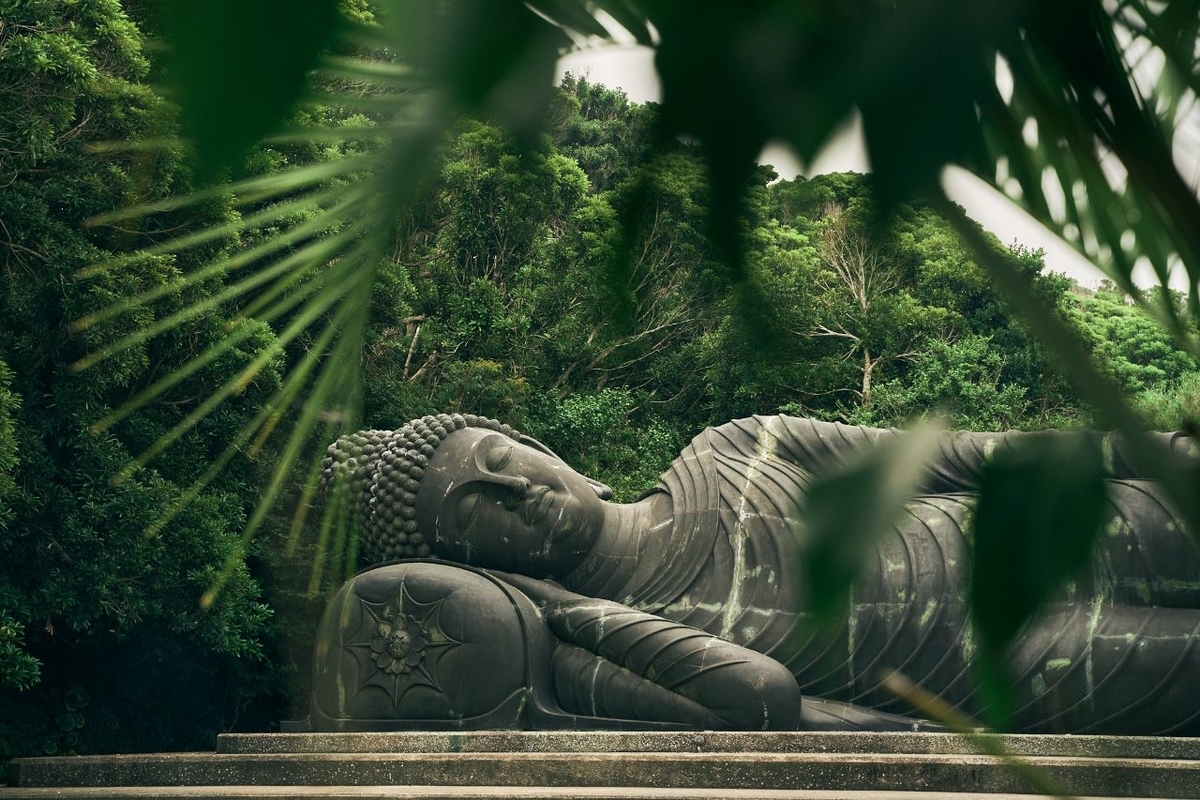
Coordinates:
x,y
548,605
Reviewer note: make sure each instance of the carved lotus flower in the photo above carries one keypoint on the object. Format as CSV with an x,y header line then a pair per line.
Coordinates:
x,y
398,644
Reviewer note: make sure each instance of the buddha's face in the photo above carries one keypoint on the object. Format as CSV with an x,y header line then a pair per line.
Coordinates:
x,y
490,501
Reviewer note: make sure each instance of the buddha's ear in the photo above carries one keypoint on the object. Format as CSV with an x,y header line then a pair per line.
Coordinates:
x,y
603,491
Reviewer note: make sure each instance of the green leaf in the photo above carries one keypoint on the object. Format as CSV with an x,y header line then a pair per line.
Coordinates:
x,y
630,16
240,67
1064,346
490,56
1098,168
571,16
1040,508
845,512
917,115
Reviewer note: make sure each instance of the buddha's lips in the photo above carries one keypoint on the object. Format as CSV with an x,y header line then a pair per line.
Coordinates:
x,y
538,505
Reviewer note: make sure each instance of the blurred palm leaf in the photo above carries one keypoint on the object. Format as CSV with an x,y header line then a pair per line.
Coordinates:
x,y
1084,139
1081,129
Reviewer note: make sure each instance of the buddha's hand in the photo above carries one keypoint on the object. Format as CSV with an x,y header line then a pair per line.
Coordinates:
x,y
736,687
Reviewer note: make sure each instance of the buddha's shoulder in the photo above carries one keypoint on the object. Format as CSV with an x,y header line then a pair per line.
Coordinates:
x,y
762,427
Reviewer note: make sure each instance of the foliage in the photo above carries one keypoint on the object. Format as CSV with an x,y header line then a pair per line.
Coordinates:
x,y
1160,376
604,133
960,381
1060,481
1134,351
19,669
842,514
1172,408
610,437
861,298
99,619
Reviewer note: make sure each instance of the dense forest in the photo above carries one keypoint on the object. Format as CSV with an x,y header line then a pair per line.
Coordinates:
x,y
566,284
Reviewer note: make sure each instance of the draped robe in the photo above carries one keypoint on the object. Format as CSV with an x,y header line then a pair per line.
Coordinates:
x,y
1116,652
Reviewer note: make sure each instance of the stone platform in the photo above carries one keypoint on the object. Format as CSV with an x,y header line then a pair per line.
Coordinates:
x,y
808,766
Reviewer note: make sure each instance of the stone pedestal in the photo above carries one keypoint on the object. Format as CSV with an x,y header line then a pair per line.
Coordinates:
x,y
622,765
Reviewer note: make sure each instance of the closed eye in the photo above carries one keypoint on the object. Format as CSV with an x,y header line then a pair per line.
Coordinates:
x,y
475,501
499,457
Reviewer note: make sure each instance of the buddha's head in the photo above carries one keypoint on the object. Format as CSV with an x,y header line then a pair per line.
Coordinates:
x,y
470,490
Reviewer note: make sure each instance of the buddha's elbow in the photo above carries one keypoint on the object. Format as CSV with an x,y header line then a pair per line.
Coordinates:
x,y
779,699
759,695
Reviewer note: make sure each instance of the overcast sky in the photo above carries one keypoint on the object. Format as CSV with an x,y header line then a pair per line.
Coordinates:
x,y
631,68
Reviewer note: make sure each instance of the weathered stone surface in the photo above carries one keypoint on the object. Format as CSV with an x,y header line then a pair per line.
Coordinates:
x,y
761,763
1113,747
489,793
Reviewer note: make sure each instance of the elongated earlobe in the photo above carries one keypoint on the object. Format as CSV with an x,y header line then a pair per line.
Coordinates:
x,y
603,491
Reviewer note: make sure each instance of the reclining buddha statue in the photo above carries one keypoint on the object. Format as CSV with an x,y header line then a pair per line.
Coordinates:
x,y
507,590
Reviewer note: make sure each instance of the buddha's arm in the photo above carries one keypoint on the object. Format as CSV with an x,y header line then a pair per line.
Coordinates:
x,y
617,661
816,446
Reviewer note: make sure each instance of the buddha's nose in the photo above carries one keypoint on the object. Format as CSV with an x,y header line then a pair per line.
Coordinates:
x,y
517,484
517,489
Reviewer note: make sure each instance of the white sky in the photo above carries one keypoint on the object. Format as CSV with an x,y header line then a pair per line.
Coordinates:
x,y
631,68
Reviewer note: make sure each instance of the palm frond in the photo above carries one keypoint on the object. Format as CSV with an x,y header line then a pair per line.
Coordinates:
x,y
1084,142
316,234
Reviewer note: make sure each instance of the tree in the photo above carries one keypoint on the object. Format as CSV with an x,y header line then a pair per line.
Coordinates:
x,y
99,612
861,298
613,435
1138,355
607,135
946,275
470,286
958,380
649,283
1127,345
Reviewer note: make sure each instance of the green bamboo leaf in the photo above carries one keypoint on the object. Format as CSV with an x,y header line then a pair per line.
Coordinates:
x,y
632,18
923,116
237,333
148,144
343,279
317,199
931,706
330,383
1149,213
572,16
399,75
245,192
272,213
329,135
383,104
283,398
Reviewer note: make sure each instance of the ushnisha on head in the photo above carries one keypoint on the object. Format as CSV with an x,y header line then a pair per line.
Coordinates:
x,y
379,473
468,489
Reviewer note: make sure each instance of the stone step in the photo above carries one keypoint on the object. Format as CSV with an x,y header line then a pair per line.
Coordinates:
x,y
599,764
482,793
756,771
1160,747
